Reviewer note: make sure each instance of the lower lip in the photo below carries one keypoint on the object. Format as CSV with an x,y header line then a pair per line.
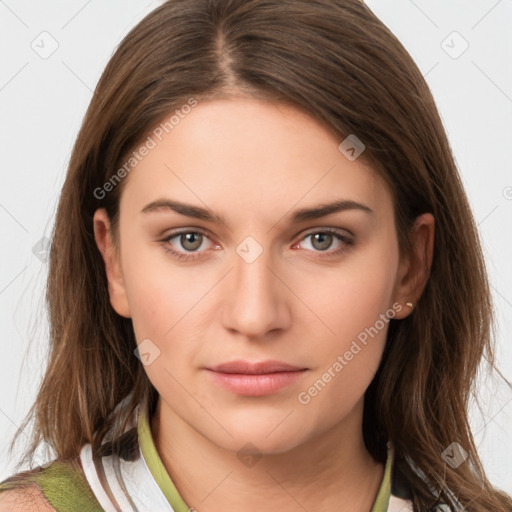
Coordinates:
x,y
256,385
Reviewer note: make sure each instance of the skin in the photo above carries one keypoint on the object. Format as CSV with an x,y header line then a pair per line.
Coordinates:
x,y
255,163
29,499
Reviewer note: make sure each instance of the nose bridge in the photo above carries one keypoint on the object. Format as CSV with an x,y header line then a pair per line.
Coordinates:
x,y
255,304
253,277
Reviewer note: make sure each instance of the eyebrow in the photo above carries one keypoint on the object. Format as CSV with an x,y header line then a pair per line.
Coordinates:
x,y
295,217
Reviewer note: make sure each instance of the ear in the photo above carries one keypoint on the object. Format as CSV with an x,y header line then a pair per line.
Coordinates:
x,y
105,243
414,270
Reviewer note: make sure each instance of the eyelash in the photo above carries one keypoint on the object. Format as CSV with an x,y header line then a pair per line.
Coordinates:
x,y
347,242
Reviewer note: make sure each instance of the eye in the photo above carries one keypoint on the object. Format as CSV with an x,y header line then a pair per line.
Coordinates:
x,y
186,245
322,240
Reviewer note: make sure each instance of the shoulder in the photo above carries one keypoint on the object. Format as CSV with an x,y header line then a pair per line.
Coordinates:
x,y
28,499
59,486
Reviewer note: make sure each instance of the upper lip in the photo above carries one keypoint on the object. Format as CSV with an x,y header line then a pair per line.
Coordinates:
x,y
257,368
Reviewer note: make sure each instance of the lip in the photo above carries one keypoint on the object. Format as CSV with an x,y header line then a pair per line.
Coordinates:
x,y
255,379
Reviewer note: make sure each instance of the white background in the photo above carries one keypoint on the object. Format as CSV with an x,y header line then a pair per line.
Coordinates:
x,y
42,103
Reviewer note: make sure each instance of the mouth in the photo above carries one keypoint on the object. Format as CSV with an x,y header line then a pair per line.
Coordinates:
x,y
255,379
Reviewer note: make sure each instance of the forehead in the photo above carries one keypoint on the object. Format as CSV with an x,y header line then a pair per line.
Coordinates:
x,y
225,153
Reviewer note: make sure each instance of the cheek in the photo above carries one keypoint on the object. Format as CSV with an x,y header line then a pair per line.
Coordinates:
x,y
354,303
162,307
351,297
160,293
345,364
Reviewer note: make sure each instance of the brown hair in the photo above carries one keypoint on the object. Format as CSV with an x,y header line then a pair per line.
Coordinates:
x,y
339,63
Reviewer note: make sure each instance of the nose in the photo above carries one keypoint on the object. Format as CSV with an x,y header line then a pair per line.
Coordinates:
x,y
257,303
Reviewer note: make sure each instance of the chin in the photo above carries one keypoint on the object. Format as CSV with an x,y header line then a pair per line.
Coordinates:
x,y
265,434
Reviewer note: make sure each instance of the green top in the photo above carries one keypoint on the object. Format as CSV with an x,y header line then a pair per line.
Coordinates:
x,y
66,489
63,485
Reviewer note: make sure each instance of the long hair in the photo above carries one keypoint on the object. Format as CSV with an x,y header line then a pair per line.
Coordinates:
x,y
336,61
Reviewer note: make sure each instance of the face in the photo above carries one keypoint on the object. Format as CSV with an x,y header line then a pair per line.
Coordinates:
x,y
225,257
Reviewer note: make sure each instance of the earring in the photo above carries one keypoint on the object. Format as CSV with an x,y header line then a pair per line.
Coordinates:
x,y
409,304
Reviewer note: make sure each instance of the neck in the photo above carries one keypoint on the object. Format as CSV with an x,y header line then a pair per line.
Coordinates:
x,y
332,471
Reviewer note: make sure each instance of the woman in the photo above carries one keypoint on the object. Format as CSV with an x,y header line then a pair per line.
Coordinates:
x,y
266,288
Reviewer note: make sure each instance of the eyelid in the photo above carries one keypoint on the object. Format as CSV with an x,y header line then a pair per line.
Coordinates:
x,y
311,231
180,231
329,229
